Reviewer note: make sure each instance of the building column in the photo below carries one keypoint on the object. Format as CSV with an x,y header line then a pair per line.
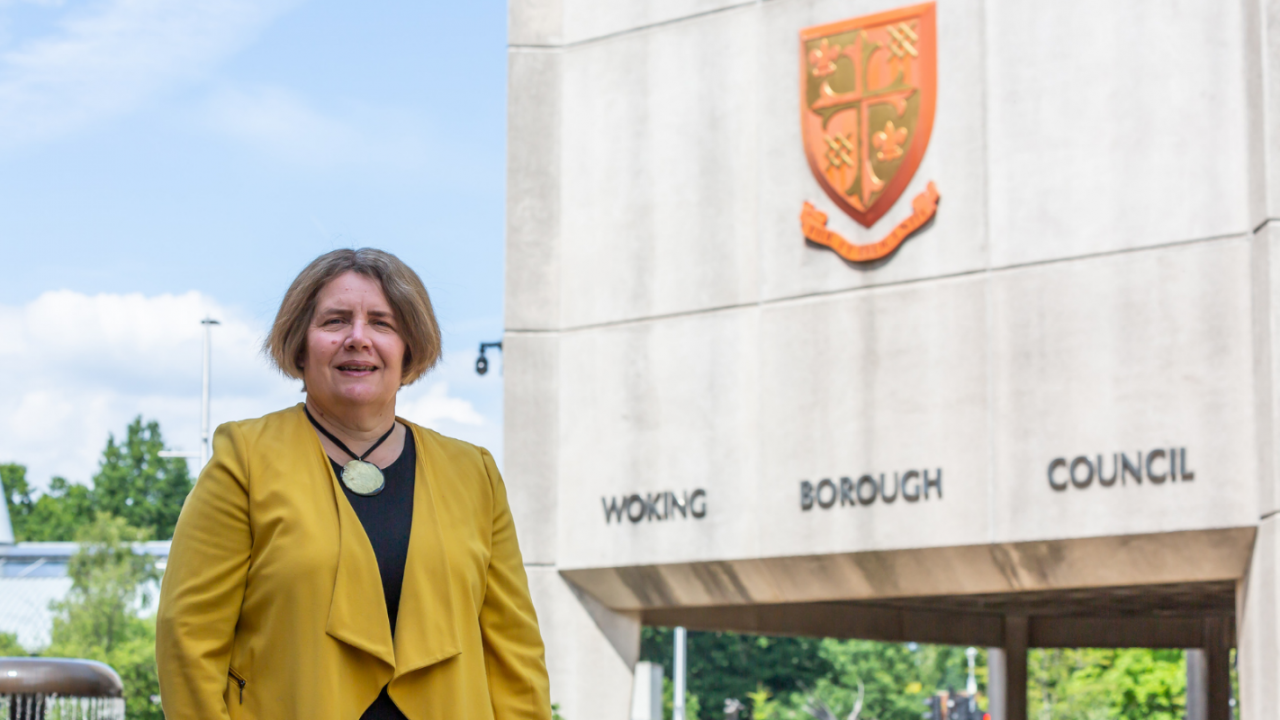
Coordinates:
x,y
1015,667
1217,657
591,650
1197,685
997,681
1257,630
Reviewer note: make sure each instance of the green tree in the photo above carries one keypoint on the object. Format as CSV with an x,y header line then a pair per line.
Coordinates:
x,y
59,513
17,496
692,705
763,706
779,675
9,646
1093,683
724,665
99,619
55,515
132,482
135,483
888,676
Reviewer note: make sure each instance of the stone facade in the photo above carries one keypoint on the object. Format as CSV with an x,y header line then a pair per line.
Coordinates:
x,y
1099,283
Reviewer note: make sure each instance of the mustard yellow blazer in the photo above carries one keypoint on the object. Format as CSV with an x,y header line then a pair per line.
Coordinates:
x,y
272,607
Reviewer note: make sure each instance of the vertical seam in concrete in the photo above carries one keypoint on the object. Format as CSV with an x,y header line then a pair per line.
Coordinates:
x,y
757,372
1264,69
988,309
557,301
1263,240
759,303
1262,327
1253,24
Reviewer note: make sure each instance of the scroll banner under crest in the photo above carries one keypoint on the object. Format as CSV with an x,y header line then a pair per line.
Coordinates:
x,y
868,89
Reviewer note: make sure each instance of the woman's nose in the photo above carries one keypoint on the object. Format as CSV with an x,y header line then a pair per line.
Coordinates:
x,y
358,338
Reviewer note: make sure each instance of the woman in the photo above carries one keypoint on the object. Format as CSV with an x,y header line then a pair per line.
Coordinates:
x,y
335,561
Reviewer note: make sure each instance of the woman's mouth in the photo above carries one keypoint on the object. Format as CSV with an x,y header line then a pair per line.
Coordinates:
x,y
356,367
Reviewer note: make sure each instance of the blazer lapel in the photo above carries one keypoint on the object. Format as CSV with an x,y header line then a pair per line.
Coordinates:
x,y
357,609
425,629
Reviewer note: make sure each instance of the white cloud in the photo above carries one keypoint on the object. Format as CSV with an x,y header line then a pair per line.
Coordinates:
x,y
435,405
282,124
104,61
81,366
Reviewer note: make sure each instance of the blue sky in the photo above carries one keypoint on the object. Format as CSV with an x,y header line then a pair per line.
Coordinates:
x,y
163,159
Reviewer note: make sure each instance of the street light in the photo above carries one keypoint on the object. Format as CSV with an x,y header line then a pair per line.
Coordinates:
x,y
677,699
208,324
971,686
204,453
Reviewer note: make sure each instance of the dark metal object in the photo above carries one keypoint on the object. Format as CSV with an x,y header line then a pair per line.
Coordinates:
x,y
81,678
482,362
40,688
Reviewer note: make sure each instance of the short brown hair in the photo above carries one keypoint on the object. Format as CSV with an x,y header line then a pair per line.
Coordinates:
x,y
287,342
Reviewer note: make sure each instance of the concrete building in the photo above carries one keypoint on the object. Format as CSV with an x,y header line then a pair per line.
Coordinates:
x,y
1095,298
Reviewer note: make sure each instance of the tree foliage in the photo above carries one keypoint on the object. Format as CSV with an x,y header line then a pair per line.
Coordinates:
x,y
724,665
9,646
779,677
1093,683
133,482
99,619
692,706
136,495
777,674
55,515
895,678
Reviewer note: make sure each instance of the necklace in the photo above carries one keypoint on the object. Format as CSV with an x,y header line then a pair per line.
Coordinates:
x,y
360,477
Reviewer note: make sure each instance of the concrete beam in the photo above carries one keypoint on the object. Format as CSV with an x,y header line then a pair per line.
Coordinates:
x,y
1158,558
888,624
1116,632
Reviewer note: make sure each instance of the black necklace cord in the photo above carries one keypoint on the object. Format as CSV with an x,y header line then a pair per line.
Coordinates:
x,y
342,446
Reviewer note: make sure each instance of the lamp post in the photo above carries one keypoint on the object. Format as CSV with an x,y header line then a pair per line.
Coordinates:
x,y
971,686
204,453
208,324
677,699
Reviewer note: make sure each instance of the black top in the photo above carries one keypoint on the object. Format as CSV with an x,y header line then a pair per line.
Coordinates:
x,y
387,518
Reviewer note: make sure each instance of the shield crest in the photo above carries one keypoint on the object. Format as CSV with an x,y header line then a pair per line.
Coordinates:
x,y
867,95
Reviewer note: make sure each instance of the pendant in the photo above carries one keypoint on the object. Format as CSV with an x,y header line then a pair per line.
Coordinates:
x,y
363,478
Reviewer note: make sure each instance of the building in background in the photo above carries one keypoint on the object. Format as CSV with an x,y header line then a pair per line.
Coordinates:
x,y
33,575
955,324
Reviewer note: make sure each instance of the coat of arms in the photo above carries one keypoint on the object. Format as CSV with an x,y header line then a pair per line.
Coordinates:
x,y
867,92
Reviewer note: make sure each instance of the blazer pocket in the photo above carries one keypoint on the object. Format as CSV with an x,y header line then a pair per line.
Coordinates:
x,y
235,693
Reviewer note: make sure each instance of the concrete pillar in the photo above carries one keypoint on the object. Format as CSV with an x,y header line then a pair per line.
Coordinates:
x,y
591,650
997,683
1197,685
646,695
1015,667
1257,630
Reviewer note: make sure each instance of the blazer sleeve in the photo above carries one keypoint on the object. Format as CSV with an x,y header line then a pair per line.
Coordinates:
x,y
514,658
204,585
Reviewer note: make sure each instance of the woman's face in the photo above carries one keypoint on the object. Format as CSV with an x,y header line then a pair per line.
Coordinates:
x,y
354,351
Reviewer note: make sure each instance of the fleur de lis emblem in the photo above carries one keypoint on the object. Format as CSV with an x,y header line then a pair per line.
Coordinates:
x,y
889,141
823,58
